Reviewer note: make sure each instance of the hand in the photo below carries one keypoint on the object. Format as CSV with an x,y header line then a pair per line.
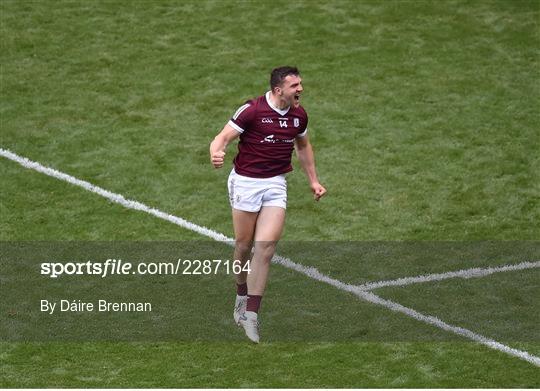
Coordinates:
x,y
217,159
318,190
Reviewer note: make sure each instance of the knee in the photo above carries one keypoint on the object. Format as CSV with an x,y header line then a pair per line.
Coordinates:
x,y
243,246
265,250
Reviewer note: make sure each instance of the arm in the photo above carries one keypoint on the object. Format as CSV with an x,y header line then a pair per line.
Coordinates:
x,y
304,151
219,145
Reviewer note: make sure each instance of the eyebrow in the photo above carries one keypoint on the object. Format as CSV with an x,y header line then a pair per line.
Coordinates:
x,y
295,84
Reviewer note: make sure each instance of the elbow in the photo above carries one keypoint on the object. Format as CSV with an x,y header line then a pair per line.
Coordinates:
x,y
300,147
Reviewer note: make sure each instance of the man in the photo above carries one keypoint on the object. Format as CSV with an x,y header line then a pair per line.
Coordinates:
x,y
269,127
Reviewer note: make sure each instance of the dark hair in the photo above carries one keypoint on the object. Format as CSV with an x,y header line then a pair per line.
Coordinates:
x,y
279,74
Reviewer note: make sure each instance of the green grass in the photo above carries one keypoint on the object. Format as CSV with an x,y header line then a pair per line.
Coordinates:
x,y
298,365
424,117
511,294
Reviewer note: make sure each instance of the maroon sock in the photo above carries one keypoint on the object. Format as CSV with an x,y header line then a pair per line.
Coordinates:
x,y
253,303
241,289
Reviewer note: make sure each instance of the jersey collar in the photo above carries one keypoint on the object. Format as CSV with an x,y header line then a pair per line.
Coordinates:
x,y
280,112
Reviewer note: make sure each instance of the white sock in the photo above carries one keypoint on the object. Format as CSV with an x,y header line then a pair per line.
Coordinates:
x,y
250,315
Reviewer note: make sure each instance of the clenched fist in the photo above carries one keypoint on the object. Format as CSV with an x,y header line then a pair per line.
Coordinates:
x,y
318,190
217,159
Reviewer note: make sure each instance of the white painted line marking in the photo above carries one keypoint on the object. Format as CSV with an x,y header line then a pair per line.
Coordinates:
x,y
466,273
432,320
116,198
396,307
308,271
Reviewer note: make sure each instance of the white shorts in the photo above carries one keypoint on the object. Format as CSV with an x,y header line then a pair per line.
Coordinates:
x,y
250,194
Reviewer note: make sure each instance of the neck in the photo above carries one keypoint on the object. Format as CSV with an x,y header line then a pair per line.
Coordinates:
x,y
277,101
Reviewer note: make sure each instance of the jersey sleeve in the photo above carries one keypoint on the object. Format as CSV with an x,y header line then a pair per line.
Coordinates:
x,y
243,118
303,126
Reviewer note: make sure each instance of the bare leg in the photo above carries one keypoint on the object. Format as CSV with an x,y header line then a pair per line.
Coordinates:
x,y
244,230
268,229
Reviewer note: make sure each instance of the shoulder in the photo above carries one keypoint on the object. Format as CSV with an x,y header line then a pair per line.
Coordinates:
x,y
254,102
258,102
246,115
300,112
249,106
245,109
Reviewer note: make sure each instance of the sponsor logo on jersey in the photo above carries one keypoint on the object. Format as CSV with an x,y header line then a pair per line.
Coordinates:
x,y
267,121
272,140
268,139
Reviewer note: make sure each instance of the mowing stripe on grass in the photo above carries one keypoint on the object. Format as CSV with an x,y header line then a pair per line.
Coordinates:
x,y
308,271
465,273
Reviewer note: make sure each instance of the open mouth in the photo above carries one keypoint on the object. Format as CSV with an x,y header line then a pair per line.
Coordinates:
x,y
297,99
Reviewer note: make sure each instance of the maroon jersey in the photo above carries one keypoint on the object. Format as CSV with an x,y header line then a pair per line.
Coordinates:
x,y
267,137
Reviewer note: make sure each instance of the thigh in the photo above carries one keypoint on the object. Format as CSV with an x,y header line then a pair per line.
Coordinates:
x,y
244,225
270,222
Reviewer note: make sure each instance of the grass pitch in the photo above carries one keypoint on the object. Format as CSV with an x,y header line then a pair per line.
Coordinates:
x,y
424,117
